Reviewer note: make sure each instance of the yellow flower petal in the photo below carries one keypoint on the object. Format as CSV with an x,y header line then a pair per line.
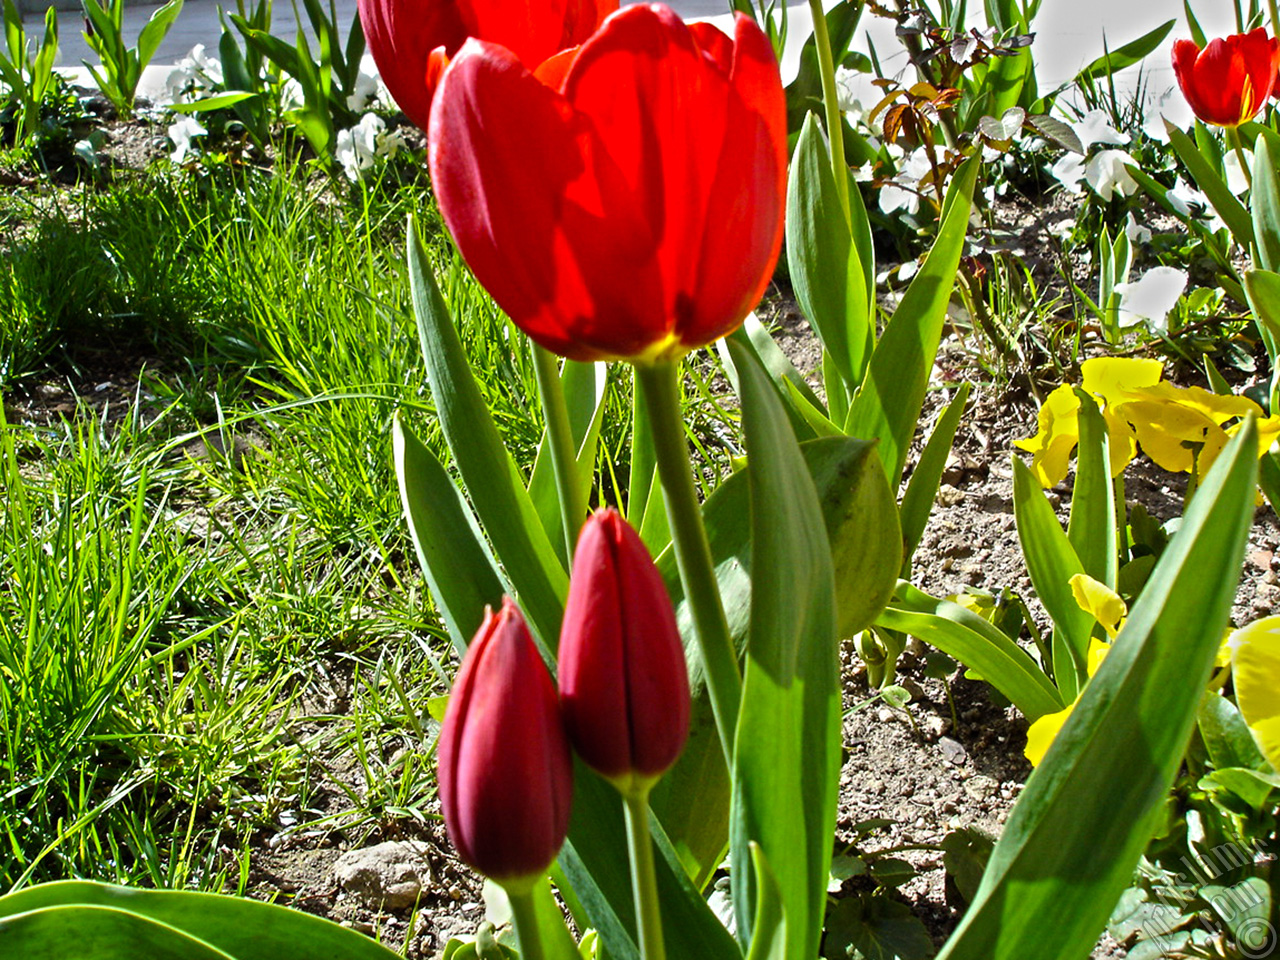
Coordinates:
x,y
1098,651
1218,408
1058,435
1122,442
1099,601
1268,432
1041,734
1165,431
1255,658
1112,377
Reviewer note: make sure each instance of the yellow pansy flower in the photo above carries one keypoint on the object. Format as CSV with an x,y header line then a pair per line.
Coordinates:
x,y
1255,667
1108,378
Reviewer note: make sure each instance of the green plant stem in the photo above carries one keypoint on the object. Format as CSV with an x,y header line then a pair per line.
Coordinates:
x,y
524,915
1233,138
644,883
1275,18
564,457
659,384
831,104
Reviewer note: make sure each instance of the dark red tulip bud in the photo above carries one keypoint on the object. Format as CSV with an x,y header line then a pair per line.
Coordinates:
x,y
506,773
624,687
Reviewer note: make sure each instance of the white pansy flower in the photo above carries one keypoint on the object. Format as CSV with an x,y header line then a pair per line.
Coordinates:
x,y
1108,174
1152,298
1135,231
365,92
902,192
196,71
358,146
1095,127
1069,171
181,133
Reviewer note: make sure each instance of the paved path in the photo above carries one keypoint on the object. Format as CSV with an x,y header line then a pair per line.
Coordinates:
x,y
1069,33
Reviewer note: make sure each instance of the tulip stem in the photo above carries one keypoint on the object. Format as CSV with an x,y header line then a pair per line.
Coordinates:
x,y
644,884
659,385
564,457
831,103
524,914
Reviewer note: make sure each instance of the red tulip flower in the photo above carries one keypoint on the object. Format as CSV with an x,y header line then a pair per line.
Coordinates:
x,y
506,771
412,40
627,201
1228,81
624,688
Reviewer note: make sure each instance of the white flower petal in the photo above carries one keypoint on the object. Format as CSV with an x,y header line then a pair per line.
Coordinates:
x,y
1151,298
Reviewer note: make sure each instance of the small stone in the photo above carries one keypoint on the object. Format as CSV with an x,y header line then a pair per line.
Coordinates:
x,y
952,751
981,787
886,715
388,875
948,496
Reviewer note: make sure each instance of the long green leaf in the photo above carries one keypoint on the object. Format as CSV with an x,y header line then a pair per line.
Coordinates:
x,y
976,643
888,406
1135,51
922,488
244,929
500,499
155,30
1051,563
786,755
1264,202
451,550
98,933
1074,838
825,264
1092,529
1224,202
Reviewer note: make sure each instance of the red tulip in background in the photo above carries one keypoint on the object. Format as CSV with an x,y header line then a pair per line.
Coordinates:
x,y
624,688
633,210
411,40
1228,81
506,774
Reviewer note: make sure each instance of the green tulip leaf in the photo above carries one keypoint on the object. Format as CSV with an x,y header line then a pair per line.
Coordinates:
x,y
828,269
91,932
1224,202
209,925
492,480
975,642
1072,842
1133,52
769,932
888,405
786,752
451,550
1264,203
922,488
1227,736
1051,563
1091,529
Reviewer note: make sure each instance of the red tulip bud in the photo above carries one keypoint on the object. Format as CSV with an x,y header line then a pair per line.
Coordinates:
x,y
624,688
506,774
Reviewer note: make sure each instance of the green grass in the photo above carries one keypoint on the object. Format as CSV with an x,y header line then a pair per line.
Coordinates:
x,y
212,627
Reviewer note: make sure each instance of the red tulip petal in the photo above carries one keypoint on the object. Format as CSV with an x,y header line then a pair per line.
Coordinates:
x,y
660,108
401,37
745,215
538,209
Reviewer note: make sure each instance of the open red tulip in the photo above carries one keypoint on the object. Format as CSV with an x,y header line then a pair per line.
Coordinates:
x,y
411,40
506,772
1228,81
624,687
634,210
